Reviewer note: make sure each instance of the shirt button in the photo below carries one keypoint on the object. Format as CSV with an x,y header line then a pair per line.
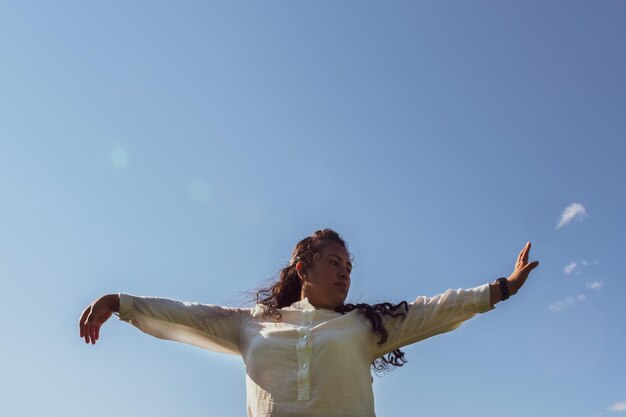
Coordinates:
x,y
305,337
304,365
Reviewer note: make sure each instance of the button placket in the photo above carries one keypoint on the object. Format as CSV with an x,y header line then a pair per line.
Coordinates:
x,y
304,350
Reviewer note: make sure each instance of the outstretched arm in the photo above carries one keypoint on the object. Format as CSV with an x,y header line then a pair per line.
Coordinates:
x,y
517,279
207,326
430,316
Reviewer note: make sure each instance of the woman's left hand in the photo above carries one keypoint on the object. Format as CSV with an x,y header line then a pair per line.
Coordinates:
x,y
522,269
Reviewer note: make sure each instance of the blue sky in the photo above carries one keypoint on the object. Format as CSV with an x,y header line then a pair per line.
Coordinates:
x,y
182,149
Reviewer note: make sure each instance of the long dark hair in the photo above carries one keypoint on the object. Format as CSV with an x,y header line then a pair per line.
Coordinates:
x,y
287,290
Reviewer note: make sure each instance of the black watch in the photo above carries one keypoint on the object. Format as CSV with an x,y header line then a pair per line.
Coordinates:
x,y
504,288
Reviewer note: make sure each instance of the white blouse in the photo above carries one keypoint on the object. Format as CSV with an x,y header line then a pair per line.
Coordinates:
x,y
311,363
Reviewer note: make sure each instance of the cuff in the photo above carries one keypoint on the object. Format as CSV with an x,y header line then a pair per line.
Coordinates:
x,y
482,298
126,306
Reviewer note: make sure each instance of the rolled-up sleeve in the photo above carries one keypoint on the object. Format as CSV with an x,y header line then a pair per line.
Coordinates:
x,y
429,316
207,326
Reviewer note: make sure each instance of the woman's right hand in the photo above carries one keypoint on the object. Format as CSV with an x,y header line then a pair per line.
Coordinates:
x,y
96,314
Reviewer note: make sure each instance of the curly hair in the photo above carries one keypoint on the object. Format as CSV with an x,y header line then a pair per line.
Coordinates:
x,y
287,290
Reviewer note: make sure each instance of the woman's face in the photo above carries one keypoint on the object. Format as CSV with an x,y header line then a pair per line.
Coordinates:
x,y
327,282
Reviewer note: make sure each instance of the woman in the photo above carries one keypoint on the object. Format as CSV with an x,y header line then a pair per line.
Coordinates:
x,y
306,352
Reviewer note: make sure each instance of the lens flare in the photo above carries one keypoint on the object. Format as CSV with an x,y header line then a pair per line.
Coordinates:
x,y
199,191
119,158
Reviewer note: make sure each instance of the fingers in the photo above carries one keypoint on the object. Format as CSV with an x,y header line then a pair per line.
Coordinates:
x,y
84,330
92,334
89,328
531,266
522,258
526,252
519,256
82,320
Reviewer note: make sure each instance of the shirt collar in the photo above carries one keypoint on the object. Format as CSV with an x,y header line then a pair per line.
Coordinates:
x,y
303,305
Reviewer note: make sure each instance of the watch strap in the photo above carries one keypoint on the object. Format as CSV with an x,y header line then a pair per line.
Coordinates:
x,y
504,288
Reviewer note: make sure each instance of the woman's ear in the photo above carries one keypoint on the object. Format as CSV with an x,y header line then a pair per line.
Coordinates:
x,y
300,269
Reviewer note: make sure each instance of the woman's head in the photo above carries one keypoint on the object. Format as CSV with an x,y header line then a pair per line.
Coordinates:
x,y
326,279
319,269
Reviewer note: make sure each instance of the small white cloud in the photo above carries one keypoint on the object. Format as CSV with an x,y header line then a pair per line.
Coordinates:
x,y
595,285
571,212
570,268
621,406
566,302
558,305
575,266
